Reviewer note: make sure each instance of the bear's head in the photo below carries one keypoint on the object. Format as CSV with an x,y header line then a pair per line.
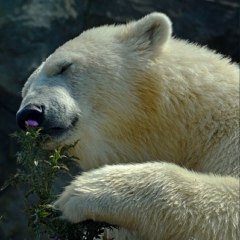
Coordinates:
x,y
98,87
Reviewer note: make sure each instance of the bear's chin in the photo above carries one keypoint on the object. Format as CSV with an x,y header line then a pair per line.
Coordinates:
x,y
56,140
56,132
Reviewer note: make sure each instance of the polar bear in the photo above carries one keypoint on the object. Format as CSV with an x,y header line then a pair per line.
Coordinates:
x,y
157,122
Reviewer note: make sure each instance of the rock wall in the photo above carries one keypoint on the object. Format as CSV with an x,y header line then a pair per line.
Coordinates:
x,y
31,29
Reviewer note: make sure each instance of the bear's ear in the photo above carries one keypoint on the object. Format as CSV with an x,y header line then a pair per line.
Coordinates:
x,y
149,33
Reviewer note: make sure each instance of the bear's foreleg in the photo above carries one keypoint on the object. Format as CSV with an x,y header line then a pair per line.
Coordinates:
x,y
157,200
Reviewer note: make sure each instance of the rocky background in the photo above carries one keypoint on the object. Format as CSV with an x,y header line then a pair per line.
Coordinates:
x,y
31,29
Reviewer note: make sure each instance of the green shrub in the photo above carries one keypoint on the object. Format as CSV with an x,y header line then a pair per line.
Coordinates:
x,y
38,171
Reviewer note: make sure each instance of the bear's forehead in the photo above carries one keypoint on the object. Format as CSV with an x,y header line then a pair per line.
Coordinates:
x,y
93,42
92,37
102,32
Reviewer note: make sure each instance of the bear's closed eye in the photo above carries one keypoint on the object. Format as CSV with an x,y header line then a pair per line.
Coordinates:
x,y
64,67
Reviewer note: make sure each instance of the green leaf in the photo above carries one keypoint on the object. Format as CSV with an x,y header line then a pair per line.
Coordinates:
x,y
43,214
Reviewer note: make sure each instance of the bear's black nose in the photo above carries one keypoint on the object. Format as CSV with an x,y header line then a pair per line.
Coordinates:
x,y
31,115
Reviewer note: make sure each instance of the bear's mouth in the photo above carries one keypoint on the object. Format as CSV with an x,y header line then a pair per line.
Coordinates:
x,y
59,131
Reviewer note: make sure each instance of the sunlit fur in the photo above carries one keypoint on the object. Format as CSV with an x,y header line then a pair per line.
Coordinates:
x,y
164,113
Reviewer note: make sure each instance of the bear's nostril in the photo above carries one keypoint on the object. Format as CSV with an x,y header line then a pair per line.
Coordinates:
x,y
31,115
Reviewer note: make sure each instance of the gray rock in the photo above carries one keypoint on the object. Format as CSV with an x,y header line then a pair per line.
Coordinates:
x,y
30,31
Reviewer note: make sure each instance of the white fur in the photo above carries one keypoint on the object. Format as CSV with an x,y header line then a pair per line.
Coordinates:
x,y
166,112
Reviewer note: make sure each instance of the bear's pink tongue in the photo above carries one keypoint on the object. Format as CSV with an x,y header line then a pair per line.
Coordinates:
x,y
32,123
